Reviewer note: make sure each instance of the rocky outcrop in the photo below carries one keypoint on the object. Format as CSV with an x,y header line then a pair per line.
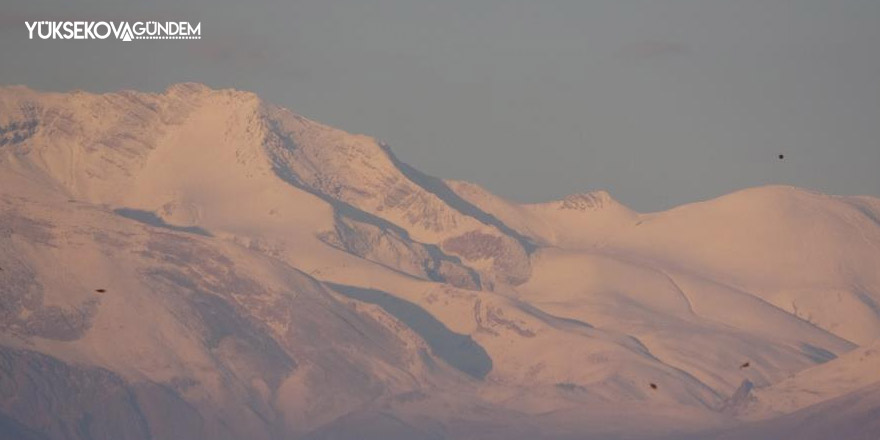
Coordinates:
x,y
358,173
391,247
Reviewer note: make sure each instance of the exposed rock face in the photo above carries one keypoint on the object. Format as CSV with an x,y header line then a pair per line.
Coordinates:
x,y
361,173
588,201
17,132
390,247
507,256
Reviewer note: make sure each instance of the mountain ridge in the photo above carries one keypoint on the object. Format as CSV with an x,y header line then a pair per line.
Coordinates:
x,y
279,277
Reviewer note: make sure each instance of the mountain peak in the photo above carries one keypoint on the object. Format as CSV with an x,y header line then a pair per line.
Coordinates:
x,y
187,88
191,90
589,201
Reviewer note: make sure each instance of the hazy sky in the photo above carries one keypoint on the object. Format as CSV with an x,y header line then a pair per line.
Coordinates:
x,y
660,102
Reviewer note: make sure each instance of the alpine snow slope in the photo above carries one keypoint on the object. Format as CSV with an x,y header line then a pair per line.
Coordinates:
x,y
201,264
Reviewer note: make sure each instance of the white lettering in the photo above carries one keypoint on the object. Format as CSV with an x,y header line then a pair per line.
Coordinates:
x,y
107,30
56,30
30,28
40,30
122,30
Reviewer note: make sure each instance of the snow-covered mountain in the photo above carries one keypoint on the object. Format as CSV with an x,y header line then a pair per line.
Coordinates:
x,y
203,264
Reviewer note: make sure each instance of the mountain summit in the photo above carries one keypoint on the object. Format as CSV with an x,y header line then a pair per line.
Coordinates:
x,y
202,264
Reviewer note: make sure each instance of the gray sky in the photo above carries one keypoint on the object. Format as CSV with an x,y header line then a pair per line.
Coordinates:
x,y
660,102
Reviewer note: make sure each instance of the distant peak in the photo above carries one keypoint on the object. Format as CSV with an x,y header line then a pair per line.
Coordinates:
x,y
198,90
593,200
768,195
187,88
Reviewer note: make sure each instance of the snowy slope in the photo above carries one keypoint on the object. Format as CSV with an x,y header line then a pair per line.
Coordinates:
x,y
812,255
851,372
270,276
852,416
